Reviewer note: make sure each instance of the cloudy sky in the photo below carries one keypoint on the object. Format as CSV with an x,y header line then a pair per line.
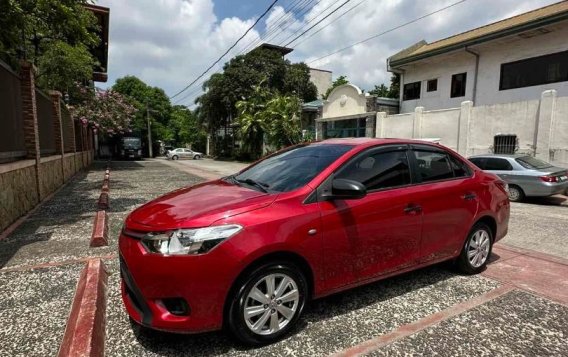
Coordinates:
x,y
168,43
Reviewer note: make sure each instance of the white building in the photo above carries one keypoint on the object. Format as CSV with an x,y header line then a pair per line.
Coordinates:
x,y
321,78
512,60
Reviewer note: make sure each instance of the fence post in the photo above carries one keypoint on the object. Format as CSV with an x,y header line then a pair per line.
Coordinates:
x,y
380,131
417,128
29,114
463,127
544,124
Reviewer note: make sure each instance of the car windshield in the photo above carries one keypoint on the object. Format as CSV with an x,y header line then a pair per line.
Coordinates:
x,y
131,142
532,163
292,168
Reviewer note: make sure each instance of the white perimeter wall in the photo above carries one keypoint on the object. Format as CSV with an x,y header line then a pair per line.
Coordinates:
x,y
541,126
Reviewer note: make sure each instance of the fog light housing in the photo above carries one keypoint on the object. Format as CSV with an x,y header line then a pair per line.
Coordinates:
x,y
176,306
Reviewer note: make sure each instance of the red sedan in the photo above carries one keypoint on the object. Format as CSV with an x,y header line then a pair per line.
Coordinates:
x,y
248,251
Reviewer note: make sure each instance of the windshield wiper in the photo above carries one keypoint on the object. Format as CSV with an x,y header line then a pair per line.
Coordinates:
x,y
260,185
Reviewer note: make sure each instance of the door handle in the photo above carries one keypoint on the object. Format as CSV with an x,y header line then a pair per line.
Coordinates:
x,y
469,196
412,208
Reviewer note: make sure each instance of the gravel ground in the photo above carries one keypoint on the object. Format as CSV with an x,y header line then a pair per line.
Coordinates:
x,y
61,228
540,224
34,306
329,325
516,324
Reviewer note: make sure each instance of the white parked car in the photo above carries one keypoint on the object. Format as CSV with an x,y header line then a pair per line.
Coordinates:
x,y
182,153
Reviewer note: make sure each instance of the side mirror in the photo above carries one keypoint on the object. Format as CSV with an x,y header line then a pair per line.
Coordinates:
x,y
344,189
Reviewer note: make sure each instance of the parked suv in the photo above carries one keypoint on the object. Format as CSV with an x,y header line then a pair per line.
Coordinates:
x,y
250,250
525,175
182,153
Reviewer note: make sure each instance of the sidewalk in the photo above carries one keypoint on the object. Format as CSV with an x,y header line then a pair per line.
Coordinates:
x,y
519,305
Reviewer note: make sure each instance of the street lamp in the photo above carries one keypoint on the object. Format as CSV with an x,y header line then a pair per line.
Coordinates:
x,y
150,150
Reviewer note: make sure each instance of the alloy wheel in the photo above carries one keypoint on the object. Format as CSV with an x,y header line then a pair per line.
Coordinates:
x,y
271,304
514,194
478,248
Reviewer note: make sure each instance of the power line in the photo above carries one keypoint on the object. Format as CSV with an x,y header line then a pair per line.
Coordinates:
x,y
331,22
317,23
230,48
387,31
277,23
308,22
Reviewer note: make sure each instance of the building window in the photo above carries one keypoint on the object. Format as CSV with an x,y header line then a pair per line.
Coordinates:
x,y
432,85
411,91
505,144
458,85
534,71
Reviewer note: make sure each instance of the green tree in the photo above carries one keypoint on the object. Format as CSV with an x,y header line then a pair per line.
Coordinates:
x,y
297,82
380,91
52,34
150,101
62,65
282,118
341,80
239,77
394,90
251,120
187,129
268,116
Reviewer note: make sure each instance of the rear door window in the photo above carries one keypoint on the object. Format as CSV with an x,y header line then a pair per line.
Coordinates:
x,y
433,166
479,162
498,164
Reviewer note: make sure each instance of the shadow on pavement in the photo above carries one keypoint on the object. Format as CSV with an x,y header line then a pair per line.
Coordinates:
x,y
556,200
215,343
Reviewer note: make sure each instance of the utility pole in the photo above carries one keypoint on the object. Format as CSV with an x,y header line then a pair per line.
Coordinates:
x,y
150,153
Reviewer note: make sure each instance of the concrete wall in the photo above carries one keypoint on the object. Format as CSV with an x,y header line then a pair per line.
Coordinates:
x,y
322,80
51,176
19,182
18,194
491,56
541,126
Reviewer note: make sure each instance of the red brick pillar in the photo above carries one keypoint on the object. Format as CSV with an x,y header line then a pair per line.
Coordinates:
x,y
29,116
58,128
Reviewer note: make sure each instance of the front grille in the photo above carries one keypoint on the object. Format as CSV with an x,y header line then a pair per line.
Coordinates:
x,y
134,293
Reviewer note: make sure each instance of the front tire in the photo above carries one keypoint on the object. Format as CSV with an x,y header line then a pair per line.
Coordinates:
x,y
476,250
175,157
196,157
268,303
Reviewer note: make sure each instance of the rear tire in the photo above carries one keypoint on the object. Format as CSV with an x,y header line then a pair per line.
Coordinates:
x,y
476,250
268,320
515,193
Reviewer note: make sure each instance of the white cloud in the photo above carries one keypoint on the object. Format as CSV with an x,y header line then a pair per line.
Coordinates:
x,y
168,43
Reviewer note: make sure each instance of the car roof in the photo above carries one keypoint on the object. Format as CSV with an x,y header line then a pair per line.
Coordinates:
x,y
375,141
500,156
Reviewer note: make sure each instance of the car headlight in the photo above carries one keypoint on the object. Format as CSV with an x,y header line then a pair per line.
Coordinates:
x,y
189,241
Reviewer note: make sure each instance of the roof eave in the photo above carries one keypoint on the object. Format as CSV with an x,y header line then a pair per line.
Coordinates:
x,y
489,37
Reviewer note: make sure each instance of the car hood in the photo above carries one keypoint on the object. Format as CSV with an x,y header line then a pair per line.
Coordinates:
x,y
197,206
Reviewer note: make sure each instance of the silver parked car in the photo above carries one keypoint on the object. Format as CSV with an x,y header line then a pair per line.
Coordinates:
x,y
182,153
525,175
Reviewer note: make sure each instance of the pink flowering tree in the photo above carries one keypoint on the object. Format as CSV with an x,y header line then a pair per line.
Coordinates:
x,y
105,110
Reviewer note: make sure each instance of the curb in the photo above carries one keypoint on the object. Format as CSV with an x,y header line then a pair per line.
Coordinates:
x,y
103,201
85,331
99,237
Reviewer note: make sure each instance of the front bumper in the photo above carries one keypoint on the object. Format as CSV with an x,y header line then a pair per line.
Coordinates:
x,y
148,280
